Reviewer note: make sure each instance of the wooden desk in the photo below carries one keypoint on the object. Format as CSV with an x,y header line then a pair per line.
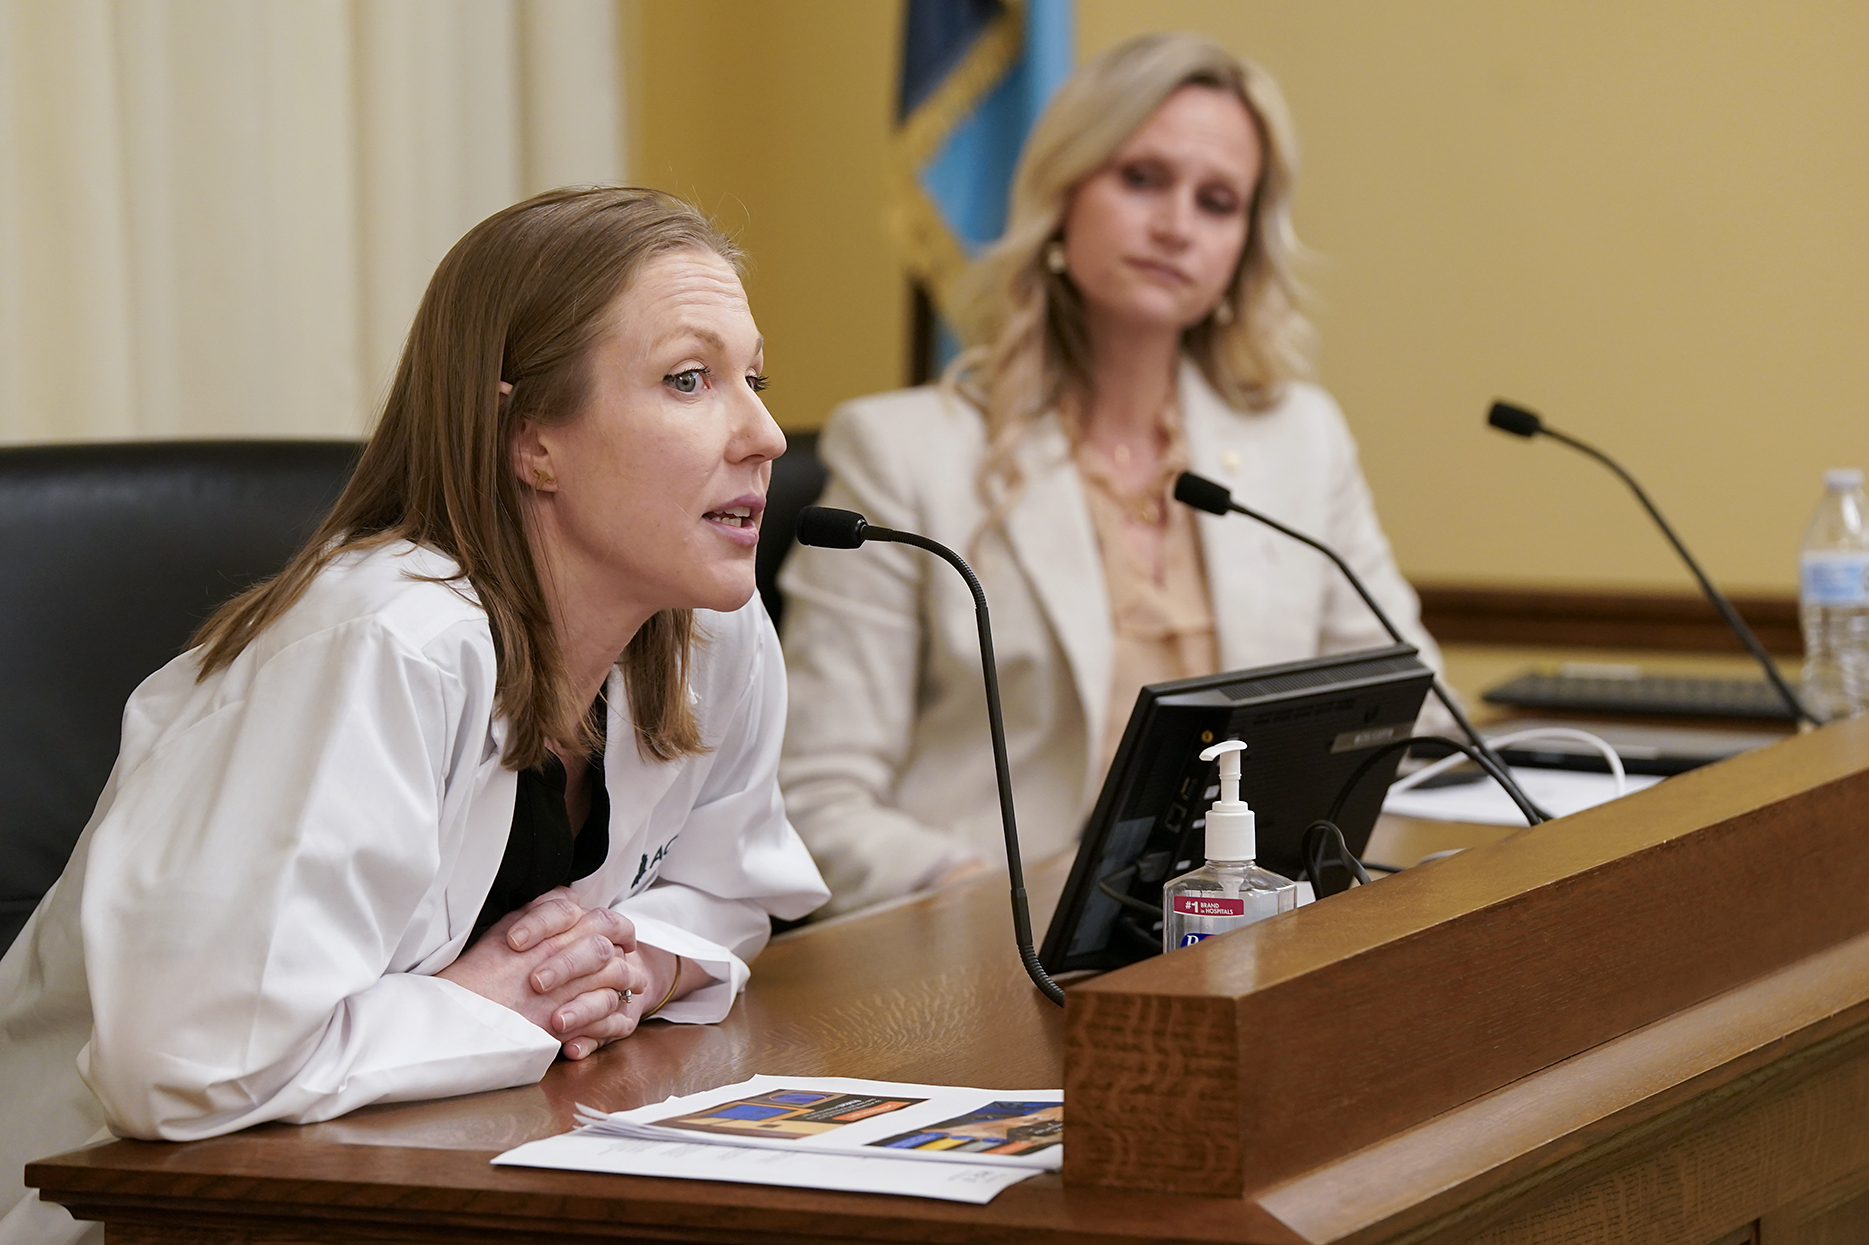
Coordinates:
x,y
1739,1114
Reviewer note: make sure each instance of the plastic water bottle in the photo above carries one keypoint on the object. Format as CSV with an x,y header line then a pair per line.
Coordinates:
x,y
1833,599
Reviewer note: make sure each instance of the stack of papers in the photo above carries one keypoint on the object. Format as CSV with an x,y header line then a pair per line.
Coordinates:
x,y
963,1145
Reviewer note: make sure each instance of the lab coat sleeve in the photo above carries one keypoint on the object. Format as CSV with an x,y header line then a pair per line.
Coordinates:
x,y
249,885
737,862
854,643
1357,536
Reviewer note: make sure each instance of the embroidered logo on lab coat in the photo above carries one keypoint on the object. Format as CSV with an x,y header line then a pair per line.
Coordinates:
x,y
650,866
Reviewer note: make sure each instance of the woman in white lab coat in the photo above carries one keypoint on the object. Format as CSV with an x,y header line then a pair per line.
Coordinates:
x,y
487,774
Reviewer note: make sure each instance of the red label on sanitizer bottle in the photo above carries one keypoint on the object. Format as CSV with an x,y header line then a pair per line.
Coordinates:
x,y
1200,905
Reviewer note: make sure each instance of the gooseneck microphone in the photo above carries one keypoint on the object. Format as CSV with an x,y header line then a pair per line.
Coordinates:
x,y
1523,423
828,528
1213,497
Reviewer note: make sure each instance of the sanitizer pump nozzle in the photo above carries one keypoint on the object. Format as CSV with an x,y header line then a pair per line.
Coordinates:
x,y
1231,826
1229,890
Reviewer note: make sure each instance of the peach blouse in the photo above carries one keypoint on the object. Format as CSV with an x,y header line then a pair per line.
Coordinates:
x,y
1162,616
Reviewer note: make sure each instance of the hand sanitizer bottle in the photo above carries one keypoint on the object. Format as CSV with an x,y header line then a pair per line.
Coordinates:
x,y
1230,891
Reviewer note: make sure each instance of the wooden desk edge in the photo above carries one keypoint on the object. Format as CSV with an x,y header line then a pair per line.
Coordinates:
x,y
1804,1025
402,1196
1568,1125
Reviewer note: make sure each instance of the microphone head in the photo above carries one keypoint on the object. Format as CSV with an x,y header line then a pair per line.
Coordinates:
x,y
1202,493
829,528
1514,419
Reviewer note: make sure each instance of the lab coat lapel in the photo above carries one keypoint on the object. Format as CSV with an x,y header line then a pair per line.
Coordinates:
x,y
636,785
1238,553
1052,538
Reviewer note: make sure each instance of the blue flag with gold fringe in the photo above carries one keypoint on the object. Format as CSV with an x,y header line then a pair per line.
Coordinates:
x,y
975,76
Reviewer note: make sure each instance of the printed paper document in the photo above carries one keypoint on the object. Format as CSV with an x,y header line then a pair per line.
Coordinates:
x,y
824,1133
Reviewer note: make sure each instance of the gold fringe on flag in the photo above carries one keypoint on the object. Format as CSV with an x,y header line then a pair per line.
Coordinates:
x,y
931,252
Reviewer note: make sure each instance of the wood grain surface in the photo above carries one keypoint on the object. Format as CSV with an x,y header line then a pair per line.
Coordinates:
x,y
1838,1216
1318,1032
1754,1099
1678,621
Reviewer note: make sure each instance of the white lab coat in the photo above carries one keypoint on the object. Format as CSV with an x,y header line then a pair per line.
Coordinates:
x,y
288,851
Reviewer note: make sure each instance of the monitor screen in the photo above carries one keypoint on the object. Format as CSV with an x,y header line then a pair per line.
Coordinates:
x,y
1307,726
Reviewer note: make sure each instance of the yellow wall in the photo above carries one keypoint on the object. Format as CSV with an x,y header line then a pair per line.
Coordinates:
x,y
1651,222
775,119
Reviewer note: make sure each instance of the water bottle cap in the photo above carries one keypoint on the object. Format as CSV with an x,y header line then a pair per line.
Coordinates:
x,y
1843,479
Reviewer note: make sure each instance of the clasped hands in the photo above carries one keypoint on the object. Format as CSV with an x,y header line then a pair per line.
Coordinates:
x,y
563,967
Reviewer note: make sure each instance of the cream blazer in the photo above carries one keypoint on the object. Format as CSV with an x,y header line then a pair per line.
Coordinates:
x,y
886,766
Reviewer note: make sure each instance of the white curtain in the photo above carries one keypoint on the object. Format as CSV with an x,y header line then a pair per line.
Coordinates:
x,y
217,216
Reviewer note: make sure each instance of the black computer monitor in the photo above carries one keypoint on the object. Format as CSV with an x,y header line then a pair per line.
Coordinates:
x,y
1307,726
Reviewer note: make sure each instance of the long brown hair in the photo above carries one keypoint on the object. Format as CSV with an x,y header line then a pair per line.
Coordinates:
x,y
1025,324
521,298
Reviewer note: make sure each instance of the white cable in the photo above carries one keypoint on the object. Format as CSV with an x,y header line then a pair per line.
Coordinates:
x,y
1502,741
1428,771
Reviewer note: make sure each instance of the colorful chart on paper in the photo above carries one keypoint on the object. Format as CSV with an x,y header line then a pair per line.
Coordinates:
x,y
997,1128
787,1114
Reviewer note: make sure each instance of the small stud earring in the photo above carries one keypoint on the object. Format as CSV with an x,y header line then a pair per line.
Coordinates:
x,y
541,478
1223,312
1054,257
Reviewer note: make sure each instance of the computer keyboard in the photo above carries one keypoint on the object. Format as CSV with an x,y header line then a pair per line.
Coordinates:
x,y
1655,695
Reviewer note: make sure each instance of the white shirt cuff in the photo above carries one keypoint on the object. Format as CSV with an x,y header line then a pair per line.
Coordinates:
x,y
710,1002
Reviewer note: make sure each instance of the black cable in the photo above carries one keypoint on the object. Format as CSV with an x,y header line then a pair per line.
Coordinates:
x,y
1123,876
1533,815
1215,498
1314,845
1150,937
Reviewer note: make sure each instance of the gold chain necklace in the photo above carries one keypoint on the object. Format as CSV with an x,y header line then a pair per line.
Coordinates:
x,y
1146,505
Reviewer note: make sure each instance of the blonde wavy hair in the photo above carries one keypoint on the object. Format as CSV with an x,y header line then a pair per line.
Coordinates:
x,y
1029,345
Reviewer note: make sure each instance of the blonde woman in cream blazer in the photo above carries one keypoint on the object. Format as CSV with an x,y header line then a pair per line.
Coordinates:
x,y
1138,313
886,767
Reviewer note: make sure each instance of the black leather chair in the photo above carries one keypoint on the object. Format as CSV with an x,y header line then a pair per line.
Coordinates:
x,y
110,557
797,480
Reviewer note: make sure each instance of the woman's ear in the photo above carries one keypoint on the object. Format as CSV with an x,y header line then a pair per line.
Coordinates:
x,y
532,458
